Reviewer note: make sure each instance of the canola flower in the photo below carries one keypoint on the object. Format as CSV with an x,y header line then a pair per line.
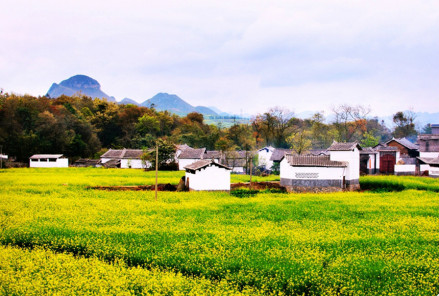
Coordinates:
x,y
361,243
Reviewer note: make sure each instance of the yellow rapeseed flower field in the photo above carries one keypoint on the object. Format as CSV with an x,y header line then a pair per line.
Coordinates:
x,y
59,237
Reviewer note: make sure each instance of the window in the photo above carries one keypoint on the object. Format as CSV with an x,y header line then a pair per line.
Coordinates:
x,y
52,159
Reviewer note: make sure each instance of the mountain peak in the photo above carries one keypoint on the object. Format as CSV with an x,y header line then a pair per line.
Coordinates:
x,y
81,81
81,84
174,104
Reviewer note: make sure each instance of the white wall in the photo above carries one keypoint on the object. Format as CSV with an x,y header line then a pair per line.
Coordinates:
x,y
353,159
59,163
434,171
126,163
210,178
405,168
184,162
264,158
104,160
319,173
429,154
239,170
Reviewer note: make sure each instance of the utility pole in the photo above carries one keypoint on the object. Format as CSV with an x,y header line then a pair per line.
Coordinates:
x,y
156,167
251,169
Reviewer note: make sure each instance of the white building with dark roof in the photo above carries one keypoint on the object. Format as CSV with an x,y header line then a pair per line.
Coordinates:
x,y
207,175
264,157
124,158
48,161
338,170
189,156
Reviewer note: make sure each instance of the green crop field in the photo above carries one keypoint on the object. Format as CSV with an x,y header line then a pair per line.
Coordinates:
x,y
59,237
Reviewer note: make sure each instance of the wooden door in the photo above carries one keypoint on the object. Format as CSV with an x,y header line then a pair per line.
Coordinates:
x,y
387,164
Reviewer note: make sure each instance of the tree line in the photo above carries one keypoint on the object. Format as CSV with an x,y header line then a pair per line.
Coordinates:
x,y
79,126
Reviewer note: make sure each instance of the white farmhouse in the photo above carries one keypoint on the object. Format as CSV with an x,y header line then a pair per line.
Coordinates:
x,y
338,170
48,161
208,175
189,156
264,156
125,159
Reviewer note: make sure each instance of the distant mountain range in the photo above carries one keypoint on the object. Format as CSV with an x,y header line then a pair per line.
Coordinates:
x,y
82,84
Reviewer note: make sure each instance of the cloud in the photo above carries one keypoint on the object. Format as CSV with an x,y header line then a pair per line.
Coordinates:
x,y
248,55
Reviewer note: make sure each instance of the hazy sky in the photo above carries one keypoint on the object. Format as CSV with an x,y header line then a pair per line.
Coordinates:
x,y
234,55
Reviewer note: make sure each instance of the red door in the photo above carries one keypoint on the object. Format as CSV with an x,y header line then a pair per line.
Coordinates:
x,y
387,164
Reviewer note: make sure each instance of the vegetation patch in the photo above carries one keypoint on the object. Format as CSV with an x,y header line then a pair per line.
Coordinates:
x,y
398,183
349,243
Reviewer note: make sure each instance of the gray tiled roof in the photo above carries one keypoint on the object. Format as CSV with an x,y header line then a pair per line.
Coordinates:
x,y
123,153
212,154
427,137
316,152
405,142
368,150
235,162
85,162
428,160
336,146
202,164
191,153
313,161
37,156
112,163
279,153
387,148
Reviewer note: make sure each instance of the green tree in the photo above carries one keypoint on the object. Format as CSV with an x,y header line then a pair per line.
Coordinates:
x,y
300,141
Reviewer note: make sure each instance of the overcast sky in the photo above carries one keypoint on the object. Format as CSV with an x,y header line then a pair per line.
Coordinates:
x,y
234,55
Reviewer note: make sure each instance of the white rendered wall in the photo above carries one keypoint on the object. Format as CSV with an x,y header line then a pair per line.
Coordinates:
x,y
353,159
319,173
133,164
434,171
429,154
59,163
264,159
184,162
405,168
238,170
210,178
104,160
424,167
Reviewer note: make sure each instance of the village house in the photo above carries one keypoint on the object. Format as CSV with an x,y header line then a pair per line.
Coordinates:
x,y
86,162
124,158
48,161
239,161
208,175
429,143
336,171
429,152
397,156
264,157
189,156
